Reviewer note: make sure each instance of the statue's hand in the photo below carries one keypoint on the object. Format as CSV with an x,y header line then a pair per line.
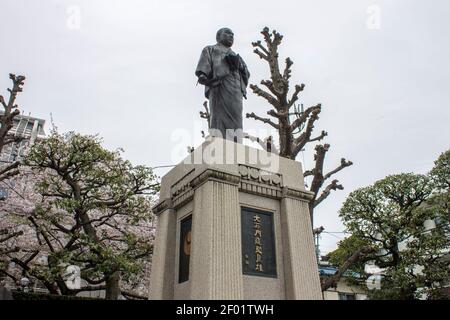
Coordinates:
x,y
233,61
202,79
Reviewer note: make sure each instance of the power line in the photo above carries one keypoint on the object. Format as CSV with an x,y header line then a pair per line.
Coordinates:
x,y
337,232
166,166
331,234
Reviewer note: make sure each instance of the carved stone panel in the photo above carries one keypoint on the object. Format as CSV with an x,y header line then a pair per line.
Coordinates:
x,y
185,249
258,243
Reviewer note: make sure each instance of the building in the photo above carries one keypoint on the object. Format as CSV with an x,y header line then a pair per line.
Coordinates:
x,y
344,290
26,127
29,129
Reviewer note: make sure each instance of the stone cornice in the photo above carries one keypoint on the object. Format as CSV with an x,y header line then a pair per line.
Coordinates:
x,y
212,174
298,194
250,180
260,189
183,198
162,206
183,191
182,185
275,192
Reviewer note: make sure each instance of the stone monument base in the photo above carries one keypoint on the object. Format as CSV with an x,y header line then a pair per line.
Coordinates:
x,y
233,223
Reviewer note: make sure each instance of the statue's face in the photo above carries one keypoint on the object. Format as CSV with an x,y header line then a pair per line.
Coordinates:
x,y
226,37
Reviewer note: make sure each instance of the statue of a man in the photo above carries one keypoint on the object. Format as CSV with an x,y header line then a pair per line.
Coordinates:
x,y
225,77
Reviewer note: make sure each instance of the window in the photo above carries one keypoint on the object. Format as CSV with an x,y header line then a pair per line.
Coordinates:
x,y
346,296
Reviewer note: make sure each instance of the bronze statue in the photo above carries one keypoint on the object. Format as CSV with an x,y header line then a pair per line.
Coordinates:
x,y
225,77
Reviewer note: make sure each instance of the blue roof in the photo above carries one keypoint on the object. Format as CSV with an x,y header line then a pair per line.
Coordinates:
x,y
329,271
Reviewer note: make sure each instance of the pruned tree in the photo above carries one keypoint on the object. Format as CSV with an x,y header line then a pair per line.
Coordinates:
x,y
10,111
294,124
206,114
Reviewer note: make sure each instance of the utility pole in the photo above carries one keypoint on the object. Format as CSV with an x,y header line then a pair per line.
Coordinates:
x,y
316,233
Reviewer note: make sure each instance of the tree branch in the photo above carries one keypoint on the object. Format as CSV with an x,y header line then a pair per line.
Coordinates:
x,y
2,101
356,257
31,257
258,44
43,233
308,173
267,144
298,89
261,55
206,114
303,116
278,114
344,164
262,143
287,69
269,85
8,251
8,171
273,40
8,275
319,158
94,282
271,99
13,139
322,135
325,193
11,111
12,235
303,139
265,120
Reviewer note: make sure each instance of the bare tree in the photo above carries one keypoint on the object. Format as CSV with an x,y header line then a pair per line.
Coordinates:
x,y
294,123
6,123
295,126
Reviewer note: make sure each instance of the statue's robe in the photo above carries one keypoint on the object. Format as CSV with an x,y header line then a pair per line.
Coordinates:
x,y
225,90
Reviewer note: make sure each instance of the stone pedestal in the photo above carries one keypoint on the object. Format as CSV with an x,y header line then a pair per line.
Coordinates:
x,y
204,250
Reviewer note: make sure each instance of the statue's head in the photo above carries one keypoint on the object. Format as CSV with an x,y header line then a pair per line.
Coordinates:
x,y
225,36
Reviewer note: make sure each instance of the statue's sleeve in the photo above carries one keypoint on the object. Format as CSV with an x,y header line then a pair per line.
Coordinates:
x,y
244,72
204,64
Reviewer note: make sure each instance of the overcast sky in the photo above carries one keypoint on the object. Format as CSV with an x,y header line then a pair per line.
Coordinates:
x,y
125,69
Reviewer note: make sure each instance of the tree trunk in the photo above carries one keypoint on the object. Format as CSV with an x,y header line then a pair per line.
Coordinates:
x,y
311,211
357,256
112,286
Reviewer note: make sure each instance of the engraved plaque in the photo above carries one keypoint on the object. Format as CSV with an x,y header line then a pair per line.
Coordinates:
x,y
258,243
185,249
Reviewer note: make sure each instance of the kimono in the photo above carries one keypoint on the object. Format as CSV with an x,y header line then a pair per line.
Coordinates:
x,y
225,88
